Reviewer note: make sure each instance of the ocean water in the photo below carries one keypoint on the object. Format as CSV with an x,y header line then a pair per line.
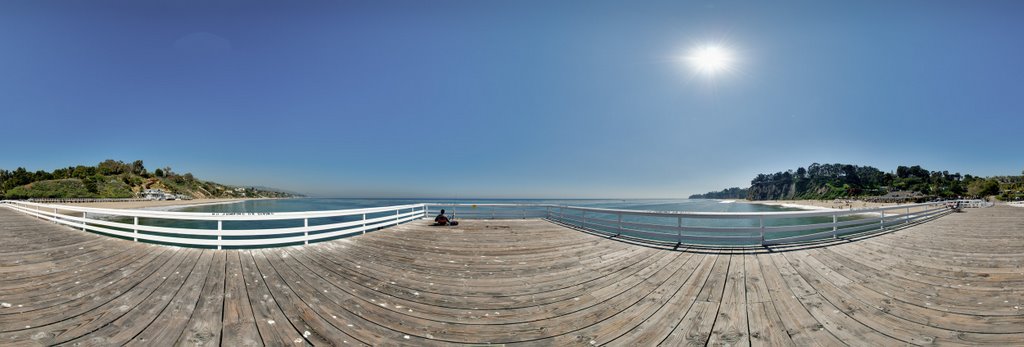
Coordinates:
x,y
697,205
323,204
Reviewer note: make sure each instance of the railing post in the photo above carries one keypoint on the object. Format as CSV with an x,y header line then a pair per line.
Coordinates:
x,y
908,215
679,229
136,231
83,222
305,224
396,216
220,237
54,215
547,212
364,223
835,233
583,223
881,221
620,223
761,220
561,214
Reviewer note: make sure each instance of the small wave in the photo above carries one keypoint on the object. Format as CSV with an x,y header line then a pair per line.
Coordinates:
x,y
726,201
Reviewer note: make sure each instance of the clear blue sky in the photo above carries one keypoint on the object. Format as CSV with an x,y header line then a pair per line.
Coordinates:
x,y
510,98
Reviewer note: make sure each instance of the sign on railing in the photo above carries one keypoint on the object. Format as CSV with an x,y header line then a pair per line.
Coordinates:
x,y
975,203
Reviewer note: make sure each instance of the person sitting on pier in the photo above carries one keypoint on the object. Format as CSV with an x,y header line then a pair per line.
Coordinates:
x,y
441,219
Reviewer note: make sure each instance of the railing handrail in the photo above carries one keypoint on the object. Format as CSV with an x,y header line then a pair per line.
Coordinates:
x,y
215,216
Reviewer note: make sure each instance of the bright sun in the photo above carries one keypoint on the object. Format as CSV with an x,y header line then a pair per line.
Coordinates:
x,y
710,59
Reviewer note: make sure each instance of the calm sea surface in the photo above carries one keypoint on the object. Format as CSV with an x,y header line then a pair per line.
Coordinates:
x,y
317,204
297,205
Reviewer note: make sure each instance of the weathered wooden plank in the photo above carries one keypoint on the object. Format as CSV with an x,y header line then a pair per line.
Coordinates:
x,y
695,327
204,326
68,286
103,324
315,329
239,324
656,293
766,327
85,313
756,287
170,321
273,325
715,285
730,328
831,317
655,328
420,301
801,326
140,317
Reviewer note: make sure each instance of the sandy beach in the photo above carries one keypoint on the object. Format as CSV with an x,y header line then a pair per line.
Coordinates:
x,y
155,203
821,204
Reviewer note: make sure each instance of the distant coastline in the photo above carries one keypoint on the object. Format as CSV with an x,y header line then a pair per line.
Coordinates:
x,y
160,205
114,179
866,183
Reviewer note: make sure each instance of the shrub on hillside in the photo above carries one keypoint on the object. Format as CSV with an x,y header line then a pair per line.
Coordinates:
x,y
63,188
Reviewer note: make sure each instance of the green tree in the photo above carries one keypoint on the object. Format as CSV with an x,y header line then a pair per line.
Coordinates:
x,y
138,168
83,172
112,167
159,172
18,177
983,187
90,185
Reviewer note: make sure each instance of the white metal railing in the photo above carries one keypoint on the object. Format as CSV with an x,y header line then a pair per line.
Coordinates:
x,y
213,232
1016,203
743,228
286,228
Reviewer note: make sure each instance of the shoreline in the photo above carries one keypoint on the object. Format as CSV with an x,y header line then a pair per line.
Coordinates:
x,y
790,204
159,205
826,205
175,206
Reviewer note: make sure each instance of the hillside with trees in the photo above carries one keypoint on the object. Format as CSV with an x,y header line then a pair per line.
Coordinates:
x,y
117,179
913,183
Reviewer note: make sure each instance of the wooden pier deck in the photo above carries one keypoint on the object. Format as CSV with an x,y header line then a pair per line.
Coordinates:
x,y
958,280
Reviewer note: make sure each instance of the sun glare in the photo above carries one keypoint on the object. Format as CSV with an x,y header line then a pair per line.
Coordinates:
x,y
710,59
